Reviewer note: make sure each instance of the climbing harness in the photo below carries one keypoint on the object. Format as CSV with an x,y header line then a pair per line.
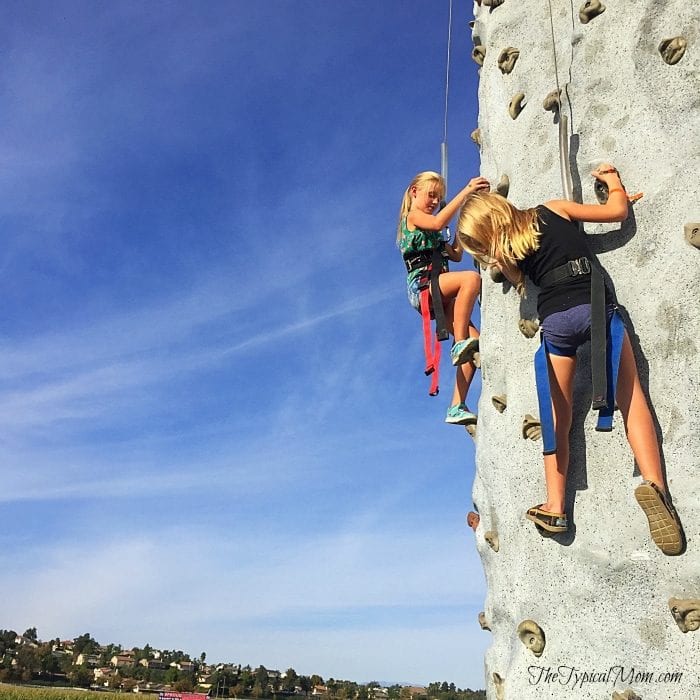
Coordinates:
x,y
606,349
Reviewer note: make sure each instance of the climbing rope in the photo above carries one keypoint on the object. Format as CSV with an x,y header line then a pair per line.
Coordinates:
x,y
443,150
563,122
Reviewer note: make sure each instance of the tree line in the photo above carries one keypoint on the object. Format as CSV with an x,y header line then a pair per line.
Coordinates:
x,y
38,661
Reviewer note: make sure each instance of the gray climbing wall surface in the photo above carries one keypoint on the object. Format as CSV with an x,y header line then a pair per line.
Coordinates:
x,y
602,600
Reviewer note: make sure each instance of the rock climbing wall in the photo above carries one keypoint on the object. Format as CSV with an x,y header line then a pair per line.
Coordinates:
x,y
599,612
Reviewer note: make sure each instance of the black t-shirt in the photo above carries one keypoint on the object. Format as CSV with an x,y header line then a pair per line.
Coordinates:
x,y
560,240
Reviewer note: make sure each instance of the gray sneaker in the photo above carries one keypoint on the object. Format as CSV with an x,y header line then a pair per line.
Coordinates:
x,y
463,351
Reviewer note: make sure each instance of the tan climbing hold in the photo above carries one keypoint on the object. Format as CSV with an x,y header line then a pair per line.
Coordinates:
x,y
476,137
491,538
532,636
516,105
528,327
672,49
482,622
552,102
507,59
503,186
471,429
589,10
692,234
500,402
492,3
500,684
496,275
479,54
629,694
532,429
686,613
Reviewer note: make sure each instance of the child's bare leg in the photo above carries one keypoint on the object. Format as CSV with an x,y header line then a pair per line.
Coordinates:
x,y
639,423
556,466
463,287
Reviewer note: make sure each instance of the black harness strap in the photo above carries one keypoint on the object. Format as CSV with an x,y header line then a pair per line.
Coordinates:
x,y
599,373
438,308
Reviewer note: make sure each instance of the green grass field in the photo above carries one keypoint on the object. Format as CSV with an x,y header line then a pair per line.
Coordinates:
x,y
13,692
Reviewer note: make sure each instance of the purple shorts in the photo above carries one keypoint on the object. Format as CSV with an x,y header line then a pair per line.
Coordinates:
x,y
565,331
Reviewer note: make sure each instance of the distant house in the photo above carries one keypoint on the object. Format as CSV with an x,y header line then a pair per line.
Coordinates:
x,y
186,666
91,660
103,675
22,641
153,663
119,660
319,690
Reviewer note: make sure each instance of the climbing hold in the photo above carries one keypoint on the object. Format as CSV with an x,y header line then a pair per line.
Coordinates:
x,y
500,402
471,429
496,275
552,102
589,10
532,636
528,327
476,359
482,622
473,520
476,137
692,234
629,694
672,49
503,186
491,538
500,684
601,191
507,59
532,428
471,24
516,105
492,3
479,54
686,613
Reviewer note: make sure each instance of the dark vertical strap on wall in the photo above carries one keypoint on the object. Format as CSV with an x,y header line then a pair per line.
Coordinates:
x,y
598,339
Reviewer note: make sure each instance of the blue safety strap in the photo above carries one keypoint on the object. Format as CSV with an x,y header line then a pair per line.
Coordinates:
x,y
544,398
616,334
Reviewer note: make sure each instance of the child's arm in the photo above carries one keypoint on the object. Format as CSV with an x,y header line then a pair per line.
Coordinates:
x,y
615,209
454,251
435,222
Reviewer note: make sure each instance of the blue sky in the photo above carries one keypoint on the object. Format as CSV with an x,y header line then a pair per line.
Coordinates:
x,y
216,431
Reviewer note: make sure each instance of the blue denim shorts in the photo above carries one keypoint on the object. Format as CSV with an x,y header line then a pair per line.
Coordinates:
x,y
565,331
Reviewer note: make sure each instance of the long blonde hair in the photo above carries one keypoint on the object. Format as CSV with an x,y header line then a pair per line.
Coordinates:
x,y
424,179
494,231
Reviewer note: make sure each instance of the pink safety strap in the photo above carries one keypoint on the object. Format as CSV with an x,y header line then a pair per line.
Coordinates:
x,y
432,350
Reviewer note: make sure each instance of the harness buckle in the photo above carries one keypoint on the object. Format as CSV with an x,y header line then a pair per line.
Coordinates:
x,y
579,267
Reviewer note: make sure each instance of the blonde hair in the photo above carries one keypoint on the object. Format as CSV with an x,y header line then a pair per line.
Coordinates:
x,y
420,181
494,231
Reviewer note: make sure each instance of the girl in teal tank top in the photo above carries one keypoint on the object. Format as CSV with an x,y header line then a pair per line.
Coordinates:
x,y
419,231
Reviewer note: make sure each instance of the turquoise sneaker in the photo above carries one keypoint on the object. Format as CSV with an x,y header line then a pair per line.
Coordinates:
x,y
463,351
459,414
